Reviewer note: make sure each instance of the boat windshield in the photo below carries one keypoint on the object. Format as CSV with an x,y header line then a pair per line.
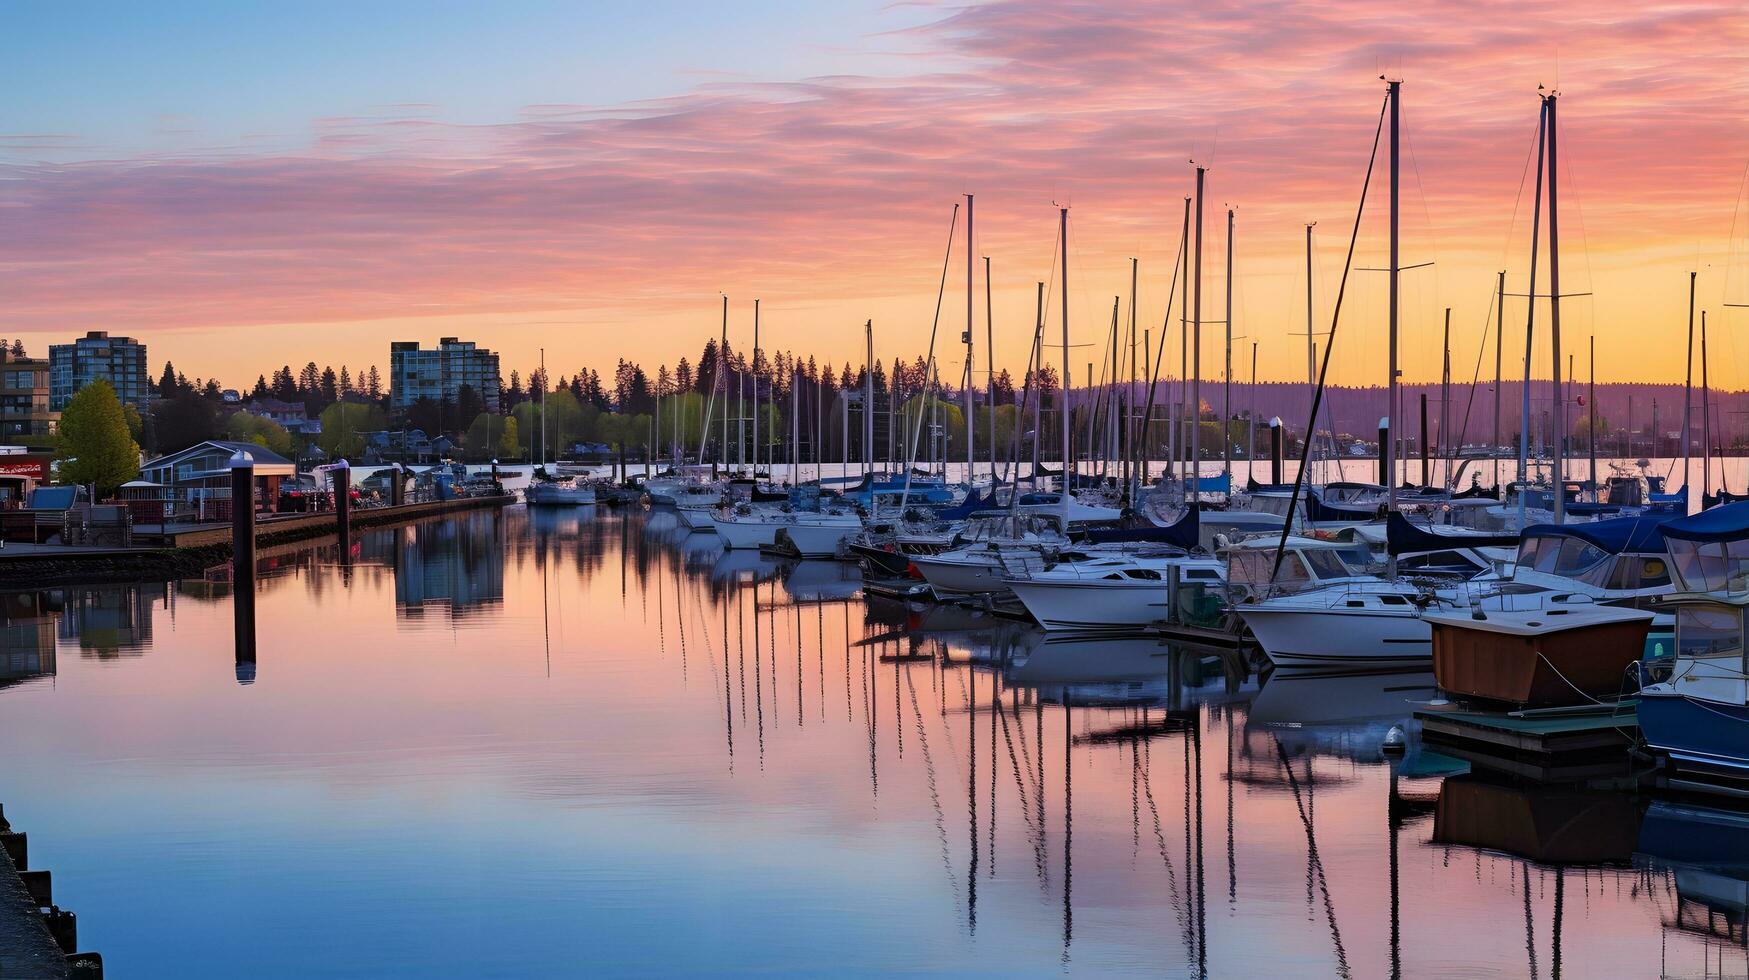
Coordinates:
x,y
1252,567
1710,566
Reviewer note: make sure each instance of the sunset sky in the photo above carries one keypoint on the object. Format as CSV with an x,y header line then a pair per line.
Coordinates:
x,y
243,187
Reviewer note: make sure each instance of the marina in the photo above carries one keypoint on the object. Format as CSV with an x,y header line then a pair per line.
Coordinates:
x,y
661,721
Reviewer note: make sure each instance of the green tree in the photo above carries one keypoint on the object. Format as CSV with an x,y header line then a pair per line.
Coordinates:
x,y
264,432
95,446
344,425
493,437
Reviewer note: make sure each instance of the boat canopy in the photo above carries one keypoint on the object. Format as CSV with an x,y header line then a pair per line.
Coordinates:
x,y
1404,538
1619,535
1710,551
966,508
1183,533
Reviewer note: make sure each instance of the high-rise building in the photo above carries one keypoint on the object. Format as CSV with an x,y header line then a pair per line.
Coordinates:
x,y
440,372
121,361
24,398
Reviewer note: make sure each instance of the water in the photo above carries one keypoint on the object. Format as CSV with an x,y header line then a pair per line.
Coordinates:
x,y
565,743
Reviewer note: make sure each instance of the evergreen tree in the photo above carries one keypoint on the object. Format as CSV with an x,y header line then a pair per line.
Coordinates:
x,y
260,390
682,376
309,380
167,381
328,388
345,381
373,385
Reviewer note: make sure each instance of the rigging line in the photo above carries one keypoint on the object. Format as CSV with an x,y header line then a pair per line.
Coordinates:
x,y
1330,344
1481,350
929,363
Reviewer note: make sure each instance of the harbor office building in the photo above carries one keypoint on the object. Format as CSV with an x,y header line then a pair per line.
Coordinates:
x,y
196,482
121,361
440,372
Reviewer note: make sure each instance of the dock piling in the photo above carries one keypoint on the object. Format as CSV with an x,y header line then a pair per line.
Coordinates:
x,y
1275,450
342,473
243,563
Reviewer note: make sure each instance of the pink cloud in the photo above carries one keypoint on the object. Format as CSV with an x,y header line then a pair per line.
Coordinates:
x,y
831,190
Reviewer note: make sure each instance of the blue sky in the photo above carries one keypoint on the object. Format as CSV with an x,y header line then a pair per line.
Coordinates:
x,y
124,79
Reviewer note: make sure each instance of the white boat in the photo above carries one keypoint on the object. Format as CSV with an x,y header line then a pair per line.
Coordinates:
x,y
1108,591
558,493
1360,620
994,546
812,535
697,515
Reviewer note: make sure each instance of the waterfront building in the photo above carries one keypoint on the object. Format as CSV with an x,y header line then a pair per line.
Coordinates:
x,y
121,361
292,416
25,414
201,474
440,372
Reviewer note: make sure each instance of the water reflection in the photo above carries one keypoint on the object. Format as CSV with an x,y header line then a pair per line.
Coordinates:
x,y
660,757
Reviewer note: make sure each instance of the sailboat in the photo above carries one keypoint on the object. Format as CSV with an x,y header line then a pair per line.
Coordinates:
x,y
544,491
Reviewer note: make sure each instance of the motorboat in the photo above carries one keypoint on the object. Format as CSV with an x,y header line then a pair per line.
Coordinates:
x,y
558,493
1696,719
1538,658
995,545
1106,590
1359,618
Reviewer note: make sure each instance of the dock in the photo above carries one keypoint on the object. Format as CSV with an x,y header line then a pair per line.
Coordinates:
x,y
38,939
1546,745
187,550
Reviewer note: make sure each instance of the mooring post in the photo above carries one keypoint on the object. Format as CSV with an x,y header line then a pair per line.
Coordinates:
x,y
1425,448
1384,450
342,474
243,563
398,484
498,483
1276,449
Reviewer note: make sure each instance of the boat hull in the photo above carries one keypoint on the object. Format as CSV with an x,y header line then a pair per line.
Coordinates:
x,y
1104,605
1332,638
747,534
818,540
1706,737
881,562
954,577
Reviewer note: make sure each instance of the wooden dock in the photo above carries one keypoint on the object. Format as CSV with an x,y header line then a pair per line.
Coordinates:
x,y
37,937
184,551
1567,732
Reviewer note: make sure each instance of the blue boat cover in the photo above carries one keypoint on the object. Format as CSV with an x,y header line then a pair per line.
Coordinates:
x,y
966,508
1618,535
1404,538
1728,522
1317,510
1183,533
1213,484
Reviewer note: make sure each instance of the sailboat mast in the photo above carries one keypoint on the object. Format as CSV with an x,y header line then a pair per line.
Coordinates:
x,y
1591,414
1390,450
868,398
1128,442
1038,399
1196,357
1227,371
1063,250
990,377
1499,342
755,390
1443,444
1179,436
970,362
1706,421
1536,215
1560,414
543,409
1688,396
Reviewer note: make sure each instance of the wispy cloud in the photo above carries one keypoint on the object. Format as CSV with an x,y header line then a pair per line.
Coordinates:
x,y
833,190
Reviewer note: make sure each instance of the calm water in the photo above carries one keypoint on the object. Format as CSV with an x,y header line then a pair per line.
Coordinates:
x,y
526,745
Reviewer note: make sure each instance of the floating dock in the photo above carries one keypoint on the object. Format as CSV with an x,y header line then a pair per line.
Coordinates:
x,y
1543,744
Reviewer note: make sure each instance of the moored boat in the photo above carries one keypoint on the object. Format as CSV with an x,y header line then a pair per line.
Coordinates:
x,y
1540,657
